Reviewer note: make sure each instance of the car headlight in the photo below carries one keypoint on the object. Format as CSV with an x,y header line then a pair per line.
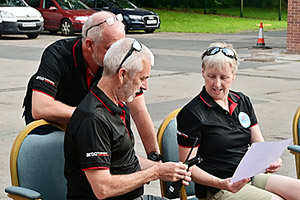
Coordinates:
x,y
40,16
81,18
7,16
135,17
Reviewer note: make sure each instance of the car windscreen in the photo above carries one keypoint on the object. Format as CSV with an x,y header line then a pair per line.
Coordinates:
x,y
122,4
12,3
71,4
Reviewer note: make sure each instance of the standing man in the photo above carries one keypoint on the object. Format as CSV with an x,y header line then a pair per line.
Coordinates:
x,y
100,161
70,66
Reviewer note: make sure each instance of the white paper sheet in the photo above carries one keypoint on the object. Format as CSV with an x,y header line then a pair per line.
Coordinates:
x,y
258,158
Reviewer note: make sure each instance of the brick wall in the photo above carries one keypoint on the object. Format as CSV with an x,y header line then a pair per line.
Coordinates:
x,y
293,27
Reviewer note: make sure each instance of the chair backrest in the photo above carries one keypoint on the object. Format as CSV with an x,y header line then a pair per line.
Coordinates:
x,y
37,162
296,135
167,141
296,127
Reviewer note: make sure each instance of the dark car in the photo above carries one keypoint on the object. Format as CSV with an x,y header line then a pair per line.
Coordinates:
x,y
66,16
134,18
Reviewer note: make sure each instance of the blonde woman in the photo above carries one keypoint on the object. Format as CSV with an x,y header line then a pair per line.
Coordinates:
x,y
225,124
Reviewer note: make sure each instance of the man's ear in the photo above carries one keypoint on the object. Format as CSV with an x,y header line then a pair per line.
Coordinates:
x,y
89,44
123,74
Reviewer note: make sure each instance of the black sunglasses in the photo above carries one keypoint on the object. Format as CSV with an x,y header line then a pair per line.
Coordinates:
x,y
136,46
109,21
226,51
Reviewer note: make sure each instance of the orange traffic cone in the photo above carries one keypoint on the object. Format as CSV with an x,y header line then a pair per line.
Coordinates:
x,y
261,41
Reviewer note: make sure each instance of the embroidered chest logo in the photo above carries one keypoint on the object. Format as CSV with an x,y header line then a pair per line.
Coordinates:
x,y
244,120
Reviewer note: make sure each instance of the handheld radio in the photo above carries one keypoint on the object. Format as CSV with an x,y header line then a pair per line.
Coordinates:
x,y
175,186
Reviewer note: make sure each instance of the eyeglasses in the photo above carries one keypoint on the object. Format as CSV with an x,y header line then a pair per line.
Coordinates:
x,y
226,51
109,21
136,46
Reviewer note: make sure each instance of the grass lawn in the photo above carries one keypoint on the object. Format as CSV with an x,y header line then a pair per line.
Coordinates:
x,y
271,14
226,21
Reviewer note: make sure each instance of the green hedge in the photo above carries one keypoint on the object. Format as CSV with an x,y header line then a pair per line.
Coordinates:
x,y
209,3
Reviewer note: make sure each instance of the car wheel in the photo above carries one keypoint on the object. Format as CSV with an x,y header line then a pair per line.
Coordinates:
x,y
32,35
66,27
149,30
53,32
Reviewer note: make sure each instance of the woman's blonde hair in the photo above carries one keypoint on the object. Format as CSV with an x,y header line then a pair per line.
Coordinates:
x,y
219,59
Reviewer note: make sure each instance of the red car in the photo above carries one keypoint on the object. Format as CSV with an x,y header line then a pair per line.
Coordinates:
x,y
66,16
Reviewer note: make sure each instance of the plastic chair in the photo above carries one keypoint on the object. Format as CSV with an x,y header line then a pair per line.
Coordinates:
x,y
37,164
167,141
295,149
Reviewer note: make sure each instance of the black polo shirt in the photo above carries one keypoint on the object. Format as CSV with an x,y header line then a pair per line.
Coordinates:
x,y
62,74
224,137
98,137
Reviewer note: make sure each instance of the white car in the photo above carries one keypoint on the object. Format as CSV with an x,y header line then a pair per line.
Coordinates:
x,y
16,17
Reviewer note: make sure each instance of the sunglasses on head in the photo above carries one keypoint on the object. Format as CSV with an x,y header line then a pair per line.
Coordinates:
x,y
226,51
136,46
109,21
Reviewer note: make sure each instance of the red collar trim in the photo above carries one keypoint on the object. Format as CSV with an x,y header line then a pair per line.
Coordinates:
x,y
101,102
235,95
232,106
74,52
204,101
89,77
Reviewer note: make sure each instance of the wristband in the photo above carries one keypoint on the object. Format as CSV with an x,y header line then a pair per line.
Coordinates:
x,y
154,156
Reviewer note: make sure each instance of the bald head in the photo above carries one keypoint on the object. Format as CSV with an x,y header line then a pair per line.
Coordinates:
x,y
101,16
96,27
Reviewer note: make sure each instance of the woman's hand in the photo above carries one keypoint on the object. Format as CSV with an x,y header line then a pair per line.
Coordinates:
x,y
275,166
234,187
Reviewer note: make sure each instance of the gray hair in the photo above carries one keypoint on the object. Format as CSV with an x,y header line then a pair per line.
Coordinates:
x,y
219,60
117,52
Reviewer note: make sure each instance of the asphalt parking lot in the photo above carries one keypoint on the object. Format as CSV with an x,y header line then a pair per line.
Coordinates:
x,y
274,87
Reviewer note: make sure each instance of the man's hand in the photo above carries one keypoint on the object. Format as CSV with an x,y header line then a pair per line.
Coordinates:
x,y
170,171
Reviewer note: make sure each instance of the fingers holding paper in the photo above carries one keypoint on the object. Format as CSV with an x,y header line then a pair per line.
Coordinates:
x,y
275,166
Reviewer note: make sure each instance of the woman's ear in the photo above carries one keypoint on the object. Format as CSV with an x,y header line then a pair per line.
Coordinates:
x,y
234,75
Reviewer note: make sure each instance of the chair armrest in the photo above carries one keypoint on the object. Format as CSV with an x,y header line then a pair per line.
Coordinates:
x,y
15,191
295,149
